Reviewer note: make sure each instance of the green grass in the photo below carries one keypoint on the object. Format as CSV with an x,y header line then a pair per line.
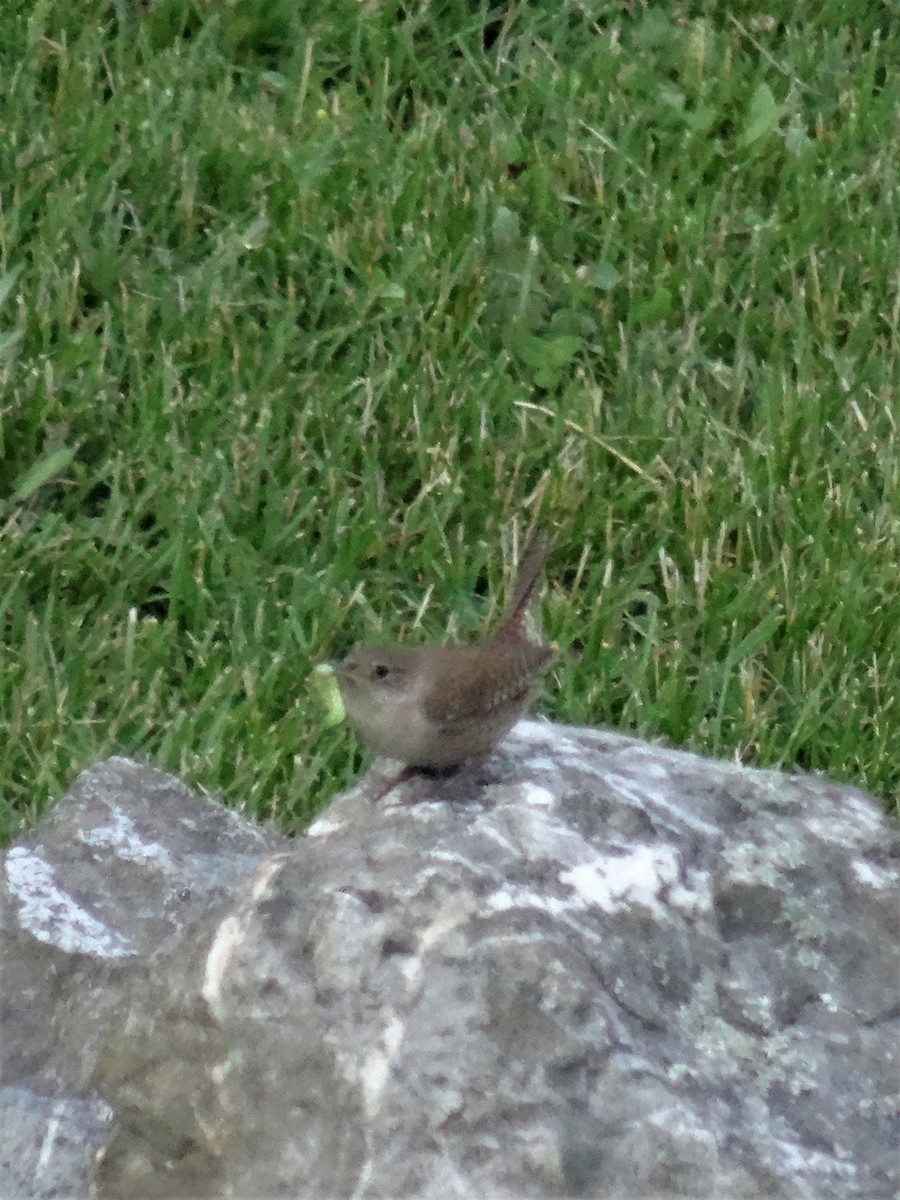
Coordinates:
x,y
307,310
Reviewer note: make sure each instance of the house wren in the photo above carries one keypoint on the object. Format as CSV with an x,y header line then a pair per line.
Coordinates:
x,y
435,706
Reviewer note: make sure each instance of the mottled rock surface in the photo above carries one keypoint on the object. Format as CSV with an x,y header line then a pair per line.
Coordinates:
x,y
586,966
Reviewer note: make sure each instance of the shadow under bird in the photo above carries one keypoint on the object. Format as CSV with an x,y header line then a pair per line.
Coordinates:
x,y
435,706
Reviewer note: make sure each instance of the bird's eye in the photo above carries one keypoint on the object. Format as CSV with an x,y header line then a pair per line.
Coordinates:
x,y
380,671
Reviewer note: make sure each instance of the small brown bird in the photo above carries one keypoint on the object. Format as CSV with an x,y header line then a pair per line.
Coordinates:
x,y
435,706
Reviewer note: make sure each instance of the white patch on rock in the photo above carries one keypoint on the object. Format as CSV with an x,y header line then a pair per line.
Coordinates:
x,y
52,915
121,836
850,827
228,936
874,877
376,1067
657,798
539,797
612,882
323,826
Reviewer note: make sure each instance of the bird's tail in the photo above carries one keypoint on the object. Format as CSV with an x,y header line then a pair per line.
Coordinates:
x,y
530,567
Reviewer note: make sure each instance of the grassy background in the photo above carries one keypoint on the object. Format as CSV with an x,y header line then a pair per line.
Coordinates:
x,y
308,309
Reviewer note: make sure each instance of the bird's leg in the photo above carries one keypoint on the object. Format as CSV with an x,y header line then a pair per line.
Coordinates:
x,y
393,781
408,773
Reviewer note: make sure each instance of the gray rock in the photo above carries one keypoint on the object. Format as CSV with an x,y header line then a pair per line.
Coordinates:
x,y
49,1147
586,966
